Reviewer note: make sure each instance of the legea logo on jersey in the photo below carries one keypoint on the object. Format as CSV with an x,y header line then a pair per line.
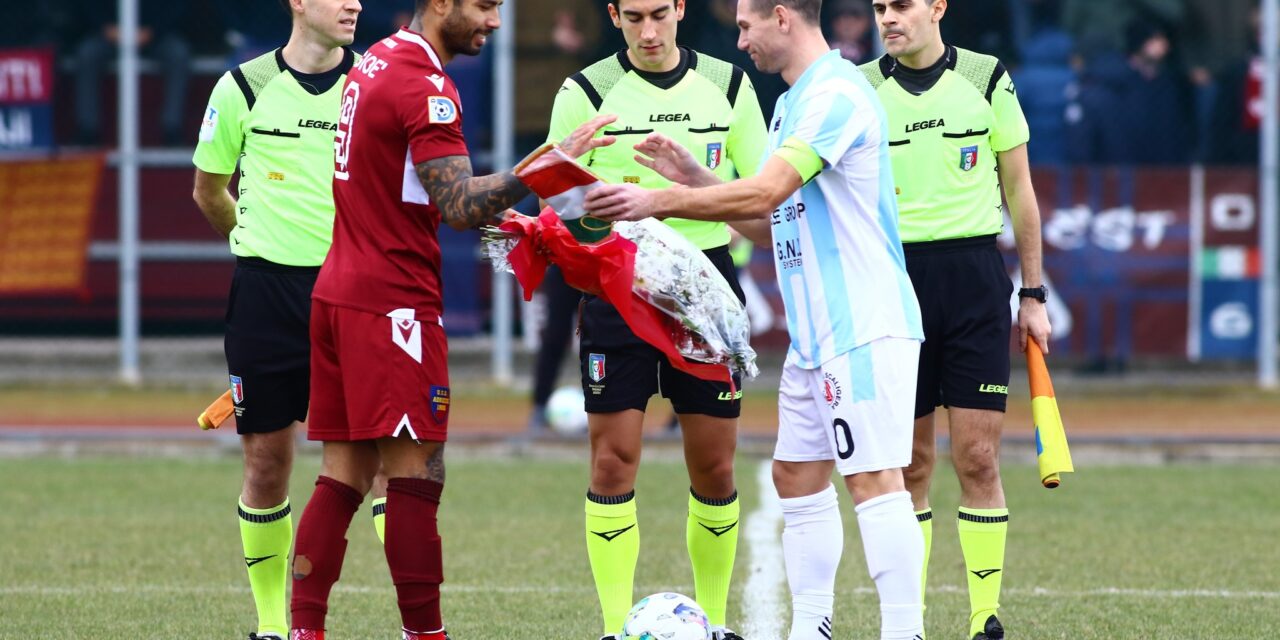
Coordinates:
x,y
209,124
441,110
237,389
406,332
715,151
968,158
595,367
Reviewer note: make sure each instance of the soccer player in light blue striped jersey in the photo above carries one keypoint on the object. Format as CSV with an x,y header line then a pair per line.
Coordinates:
x,y
824,200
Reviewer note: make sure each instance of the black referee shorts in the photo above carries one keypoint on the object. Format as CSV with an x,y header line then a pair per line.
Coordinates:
x,y
964,303
620,371
268,343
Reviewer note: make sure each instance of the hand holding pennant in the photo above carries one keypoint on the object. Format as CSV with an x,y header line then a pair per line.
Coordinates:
x,y
1052,453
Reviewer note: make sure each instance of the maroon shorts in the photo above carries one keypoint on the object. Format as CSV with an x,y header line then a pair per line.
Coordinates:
x,y
376,376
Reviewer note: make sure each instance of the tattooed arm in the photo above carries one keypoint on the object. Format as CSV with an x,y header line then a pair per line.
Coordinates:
x,y
466,201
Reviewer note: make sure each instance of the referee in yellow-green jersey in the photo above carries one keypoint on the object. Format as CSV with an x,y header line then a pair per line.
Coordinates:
x,y
275,117
709,107
956,136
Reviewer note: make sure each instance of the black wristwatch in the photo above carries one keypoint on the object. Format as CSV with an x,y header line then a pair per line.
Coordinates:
x,y
1039,293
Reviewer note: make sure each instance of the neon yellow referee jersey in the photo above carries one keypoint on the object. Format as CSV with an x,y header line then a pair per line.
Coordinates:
x,y
706,105
946,124
279,125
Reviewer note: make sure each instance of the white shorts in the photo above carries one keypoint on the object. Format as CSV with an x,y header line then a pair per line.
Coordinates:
x,y
857,409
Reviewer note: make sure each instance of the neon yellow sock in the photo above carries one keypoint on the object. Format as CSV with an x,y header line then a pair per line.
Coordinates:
x,y
613,546
982,537
267,535
380,518
712,538
925,518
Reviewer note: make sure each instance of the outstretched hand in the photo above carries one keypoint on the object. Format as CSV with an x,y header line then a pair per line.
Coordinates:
x,y
671,161
583,139
619,202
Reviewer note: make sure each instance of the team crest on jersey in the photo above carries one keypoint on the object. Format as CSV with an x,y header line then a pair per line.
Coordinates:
x,y
237,389
968,158
439,399
831,391
595,367
715,151
441,110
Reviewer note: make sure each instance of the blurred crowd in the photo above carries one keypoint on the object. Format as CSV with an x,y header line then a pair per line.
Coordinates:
x,y
1137,82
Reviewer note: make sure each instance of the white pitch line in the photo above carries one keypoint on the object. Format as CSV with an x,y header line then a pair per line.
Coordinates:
x,y
762,604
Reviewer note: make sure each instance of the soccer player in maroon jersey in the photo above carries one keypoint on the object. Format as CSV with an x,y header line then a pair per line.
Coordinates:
x,y
379,377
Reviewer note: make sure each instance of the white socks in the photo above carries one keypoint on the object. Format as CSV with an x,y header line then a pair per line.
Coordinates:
x,y
812,542
894,546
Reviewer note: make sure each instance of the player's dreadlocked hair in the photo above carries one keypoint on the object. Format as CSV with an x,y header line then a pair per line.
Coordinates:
x,y
810,10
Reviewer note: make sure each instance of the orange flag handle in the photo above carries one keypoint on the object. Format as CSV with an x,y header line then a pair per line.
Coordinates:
x,y
217,413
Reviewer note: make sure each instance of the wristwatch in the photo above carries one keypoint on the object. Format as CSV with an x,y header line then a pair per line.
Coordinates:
x,y
1039,293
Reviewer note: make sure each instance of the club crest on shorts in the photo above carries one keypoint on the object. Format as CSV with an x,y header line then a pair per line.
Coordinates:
x,y
406,332
595,367
439,399
831,391
715,152
237,389
968,158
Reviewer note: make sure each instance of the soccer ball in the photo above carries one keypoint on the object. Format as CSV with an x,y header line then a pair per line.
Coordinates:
x,y
666,616
565,412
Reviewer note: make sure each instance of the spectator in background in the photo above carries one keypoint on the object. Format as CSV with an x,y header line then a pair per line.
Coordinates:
x,y
255,27
982,25
720,39
1157,101
1094,135
34,25
380,17
1237,109
849,30
1099,27
1044,81
1210,35
554,38
159,38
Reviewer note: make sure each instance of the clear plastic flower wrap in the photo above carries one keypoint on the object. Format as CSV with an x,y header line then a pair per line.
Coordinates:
x,y
699,314
675,277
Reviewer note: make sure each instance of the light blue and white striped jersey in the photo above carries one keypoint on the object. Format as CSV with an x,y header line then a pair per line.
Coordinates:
x,y
837,253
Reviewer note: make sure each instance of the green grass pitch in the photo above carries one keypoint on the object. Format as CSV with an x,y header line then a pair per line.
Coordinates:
x,y
113,547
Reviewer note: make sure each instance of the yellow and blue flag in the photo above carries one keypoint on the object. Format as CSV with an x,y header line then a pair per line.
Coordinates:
x,y
1052,453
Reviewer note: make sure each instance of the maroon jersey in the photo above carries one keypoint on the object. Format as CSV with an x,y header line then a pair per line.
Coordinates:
x,y
399,109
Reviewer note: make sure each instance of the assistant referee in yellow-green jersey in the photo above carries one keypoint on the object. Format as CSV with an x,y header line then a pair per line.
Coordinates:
x,y
271,120
956,135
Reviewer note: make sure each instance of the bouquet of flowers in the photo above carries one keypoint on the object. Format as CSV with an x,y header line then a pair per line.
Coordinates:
x,y
666,289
